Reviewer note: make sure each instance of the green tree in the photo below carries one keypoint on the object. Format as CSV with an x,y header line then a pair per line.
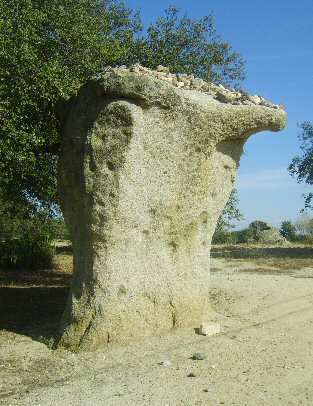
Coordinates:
x,y
305,226
256,227
223,234
288,230
49,48
188,45
301,167
25,238
243,236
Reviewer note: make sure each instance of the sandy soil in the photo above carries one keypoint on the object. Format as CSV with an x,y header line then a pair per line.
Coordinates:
x,y
263,355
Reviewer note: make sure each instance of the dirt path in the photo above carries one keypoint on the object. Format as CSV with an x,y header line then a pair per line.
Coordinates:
x,y
263,355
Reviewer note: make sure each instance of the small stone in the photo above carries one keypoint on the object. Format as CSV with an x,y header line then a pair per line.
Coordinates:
x,y
136,68
165,363
162,68
181,77
209,328
161,76
255,99
191,375
199,356
205,87
225,97
247,102
180,84
197,82
108,69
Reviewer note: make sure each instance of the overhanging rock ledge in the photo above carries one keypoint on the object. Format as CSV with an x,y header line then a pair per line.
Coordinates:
x,y
148,160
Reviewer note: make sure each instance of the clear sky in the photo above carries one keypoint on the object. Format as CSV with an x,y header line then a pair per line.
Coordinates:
x,y
275,37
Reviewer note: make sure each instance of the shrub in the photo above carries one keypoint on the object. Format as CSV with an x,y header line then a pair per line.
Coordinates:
x,y
304,226
289,231
25,240
224,237
222,234
60,230
244,236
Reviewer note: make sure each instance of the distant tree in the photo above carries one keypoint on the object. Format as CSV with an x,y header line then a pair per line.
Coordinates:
x,y
244,236
60,231
301,167
25,238
257,226
222,234
304,226
288,230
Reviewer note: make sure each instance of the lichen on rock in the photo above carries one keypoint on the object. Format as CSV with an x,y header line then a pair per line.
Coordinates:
x,y
148,160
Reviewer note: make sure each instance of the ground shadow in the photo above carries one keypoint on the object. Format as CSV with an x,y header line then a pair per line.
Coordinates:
x,y
64,249
32,303
250,252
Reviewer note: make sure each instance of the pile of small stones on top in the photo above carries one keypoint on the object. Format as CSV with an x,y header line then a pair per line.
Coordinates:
x,y
191,82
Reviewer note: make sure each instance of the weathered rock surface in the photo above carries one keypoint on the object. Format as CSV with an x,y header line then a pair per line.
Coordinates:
x,y
146,167
271,236
264,233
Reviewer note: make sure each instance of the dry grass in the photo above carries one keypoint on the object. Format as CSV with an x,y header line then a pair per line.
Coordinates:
x,y
265,259
286,264
253,251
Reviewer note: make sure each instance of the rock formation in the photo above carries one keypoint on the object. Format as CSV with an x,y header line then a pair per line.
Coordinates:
x,y
148,160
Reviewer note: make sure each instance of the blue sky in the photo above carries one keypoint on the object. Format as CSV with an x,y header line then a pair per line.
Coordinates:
x,y
276,39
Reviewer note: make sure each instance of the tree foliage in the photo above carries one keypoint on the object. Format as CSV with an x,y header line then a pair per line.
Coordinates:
x,y
188,45
26,239
304,226
49,48
301,231
222,234
301,167
288,230
257,226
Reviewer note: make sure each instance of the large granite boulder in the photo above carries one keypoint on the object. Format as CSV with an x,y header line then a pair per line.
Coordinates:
x,y
147,163
266,234
271,236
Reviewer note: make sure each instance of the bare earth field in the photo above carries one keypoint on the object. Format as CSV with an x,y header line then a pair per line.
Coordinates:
x,y
261,296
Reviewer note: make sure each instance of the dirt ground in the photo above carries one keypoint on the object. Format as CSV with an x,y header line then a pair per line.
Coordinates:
x,y
261,296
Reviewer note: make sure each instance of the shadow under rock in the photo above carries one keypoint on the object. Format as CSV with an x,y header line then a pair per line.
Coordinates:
x,y
35,312
32,303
